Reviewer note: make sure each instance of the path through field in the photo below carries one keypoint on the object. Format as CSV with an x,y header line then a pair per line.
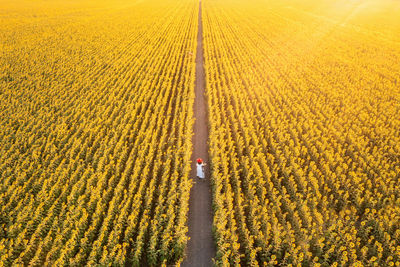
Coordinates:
x,y
201,248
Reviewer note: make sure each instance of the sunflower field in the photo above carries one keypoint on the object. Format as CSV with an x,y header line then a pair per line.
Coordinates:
x,y
95,131
304,102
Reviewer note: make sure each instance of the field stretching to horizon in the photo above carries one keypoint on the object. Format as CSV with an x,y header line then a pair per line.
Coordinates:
x,y
305,131
95,127
96,131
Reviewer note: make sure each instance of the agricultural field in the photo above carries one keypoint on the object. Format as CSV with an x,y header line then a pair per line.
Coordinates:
x,y
100,106
304,102
95,131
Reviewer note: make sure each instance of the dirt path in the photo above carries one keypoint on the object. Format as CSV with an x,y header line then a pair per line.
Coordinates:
x,y
201,248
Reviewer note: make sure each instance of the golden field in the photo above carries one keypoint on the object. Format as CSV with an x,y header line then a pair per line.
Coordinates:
x,y
95,126
304,100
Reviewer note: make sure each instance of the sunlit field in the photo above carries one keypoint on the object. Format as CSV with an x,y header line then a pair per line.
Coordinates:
x,y
304,100
96,131
95,126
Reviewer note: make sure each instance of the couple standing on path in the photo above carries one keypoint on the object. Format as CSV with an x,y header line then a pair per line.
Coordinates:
x,y
200,168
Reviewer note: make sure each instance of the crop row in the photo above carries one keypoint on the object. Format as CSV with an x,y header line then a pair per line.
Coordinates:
x,y
304,132
95,132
